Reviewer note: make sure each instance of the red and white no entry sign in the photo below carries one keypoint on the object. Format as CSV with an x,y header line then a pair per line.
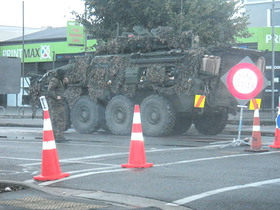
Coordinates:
x,y
244,81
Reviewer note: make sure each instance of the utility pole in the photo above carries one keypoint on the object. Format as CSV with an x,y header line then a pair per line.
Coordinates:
x,y
22,56
181,16
85,30
273,58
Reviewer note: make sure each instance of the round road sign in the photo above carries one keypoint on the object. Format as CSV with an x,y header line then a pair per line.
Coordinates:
x,y
245,81
277,120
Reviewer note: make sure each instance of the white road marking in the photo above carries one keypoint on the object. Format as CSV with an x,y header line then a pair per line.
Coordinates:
x,y
15,158
221,190
73,160
81,175
92,171
214,158
116,168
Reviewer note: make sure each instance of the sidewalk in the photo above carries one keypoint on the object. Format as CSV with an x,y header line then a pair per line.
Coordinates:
x,y
35,197
20,117
22,112
26,196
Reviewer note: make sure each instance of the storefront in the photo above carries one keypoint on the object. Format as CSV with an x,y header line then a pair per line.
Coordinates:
x,y
42,51
262,40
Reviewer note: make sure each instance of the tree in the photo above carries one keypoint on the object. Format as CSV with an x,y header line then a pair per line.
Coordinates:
x,y
214,21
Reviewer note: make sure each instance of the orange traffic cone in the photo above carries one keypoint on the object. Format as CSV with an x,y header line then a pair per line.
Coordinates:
x,y
276,143
137,157
256,141
50,164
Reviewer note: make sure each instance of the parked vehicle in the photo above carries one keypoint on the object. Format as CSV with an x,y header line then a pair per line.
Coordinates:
x,y
148,70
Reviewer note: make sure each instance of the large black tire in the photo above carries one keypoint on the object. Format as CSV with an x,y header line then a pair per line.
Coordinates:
x,y
211,123
182,125
86,115
157,116
119,115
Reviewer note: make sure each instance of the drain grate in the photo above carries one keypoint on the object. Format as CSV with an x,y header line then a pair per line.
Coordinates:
x,y
6,187
43,203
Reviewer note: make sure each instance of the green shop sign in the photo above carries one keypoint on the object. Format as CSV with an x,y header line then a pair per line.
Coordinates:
x,y
75,34
263,37
43,52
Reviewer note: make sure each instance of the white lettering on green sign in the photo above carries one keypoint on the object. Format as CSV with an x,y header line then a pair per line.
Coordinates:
x,y
268,38
12,53
42,53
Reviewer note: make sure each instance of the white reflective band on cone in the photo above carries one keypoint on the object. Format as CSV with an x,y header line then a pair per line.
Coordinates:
x,y
137,118
47,125
137,136
48,145
256,113
256,128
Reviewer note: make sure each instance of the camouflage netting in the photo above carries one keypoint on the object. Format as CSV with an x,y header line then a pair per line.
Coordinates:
x,y
77,73
103,75
122,45
169,37
38,87
161,38
156,74
187,68
72,94
107,73
35,91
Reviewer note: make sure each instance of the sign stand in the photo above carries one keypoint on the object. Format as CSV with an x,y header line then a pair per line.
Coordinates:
x,y
238,141
244,81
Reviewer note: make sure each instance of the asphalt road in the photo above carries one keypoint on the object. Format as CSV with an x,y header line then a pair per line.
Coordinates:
x,y
190,171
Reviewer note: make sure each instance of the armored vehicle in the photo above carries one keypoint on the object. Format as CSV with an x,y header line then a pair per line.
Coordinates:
x,y
159,73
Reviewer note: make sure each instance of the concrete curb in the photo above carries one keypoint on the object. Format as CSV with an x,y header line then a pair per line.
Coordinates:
x,y
117,201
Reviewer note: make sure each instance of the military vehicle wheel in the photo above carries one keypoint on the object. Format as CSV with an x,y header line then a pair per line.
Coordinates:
x,y
85,115
182,125
119,115
211,123
157,116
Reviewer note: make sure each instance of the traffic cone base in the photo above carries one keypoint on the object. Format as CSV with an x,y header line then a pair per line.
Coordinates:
x,y
256,141
144,165
136,160
258,150
50,167
274,146
50,178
